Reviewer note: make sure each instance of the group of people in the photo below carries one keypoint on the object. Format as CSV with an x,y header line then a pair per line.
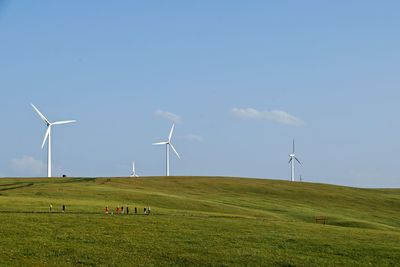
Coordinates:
x,y
51,208
118,210
122,210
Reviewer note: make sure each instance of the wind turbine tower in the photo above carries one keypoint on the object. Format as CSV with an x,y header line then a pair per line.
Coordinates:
x,y
292,161
47,136
133,174
168,144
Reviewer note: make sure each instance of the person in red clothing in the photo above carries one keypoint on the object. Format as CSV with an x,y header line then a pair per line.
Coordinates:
x,y
106,210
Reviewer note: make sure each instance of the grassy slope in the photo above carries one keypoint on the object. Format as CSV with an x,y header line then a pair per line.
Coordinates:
x,y
197,221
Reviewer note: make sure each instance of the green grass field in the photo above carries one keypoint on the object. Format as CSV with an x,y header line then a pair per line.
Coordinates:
x,y
212,221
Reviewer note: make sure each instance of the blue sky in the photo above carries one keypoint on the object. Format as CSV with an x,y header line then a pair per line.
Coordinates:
x,y
242,78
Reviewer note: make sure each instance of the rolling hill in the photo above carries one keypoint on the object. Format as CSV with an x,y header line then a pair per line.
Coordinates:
x,y
213,221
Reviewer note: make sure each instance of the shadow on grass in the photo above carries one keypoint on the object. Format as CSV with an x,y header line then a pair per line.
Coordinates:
x,y
17,186
66,213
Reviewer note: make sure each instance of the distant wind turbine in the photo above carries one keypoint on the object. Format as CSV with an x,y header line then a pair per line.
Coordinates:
x,y
168,144
133,174
47,136
292,159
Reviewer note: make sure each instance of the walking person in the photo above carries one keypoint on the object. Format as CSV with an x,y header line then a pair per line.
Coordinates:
x,y
127,210
51,207
106,210
135,210
63,208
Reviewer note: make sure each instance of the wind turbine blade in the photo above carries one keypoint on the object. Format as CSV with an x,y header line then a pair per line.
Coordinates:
x,y
173,148
293,146
40,114
171,132
290,160
298,161
63,122
160,143
46,135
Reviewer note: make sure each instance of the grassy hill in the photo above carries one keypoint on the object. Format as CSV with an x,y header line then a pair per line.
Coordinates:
x,y
212,221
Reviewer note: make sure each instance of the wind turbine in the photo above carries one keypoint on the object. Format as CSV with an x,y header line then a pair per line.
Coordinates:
x,y
47,136
133,174
168,144
292,159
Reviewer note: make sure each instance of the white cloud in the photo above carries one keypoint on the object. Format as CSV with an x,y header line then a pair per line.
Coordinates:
x,y
278,116
194,138
28,165
169,116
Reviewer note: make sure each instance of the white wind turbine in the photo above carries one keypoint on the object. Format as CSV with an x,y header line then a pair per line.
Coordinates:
x,y
292,159
48,136
133,174
168,144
